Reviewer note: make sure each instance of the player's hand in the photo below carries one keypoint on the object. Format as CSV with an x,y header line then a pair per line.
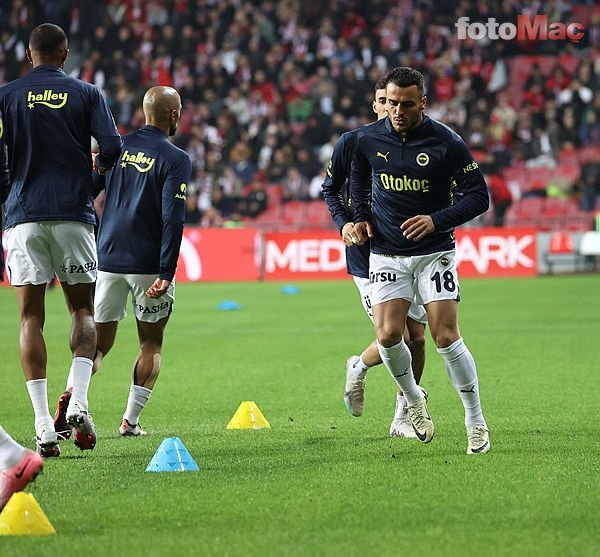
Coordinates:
x,y
158,288
101,171
416,228
347,233
361,232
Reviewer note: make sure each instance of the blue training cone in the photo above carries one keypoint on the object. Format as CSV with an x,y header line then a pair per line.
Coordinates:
x,y
228,305
290,289
172,456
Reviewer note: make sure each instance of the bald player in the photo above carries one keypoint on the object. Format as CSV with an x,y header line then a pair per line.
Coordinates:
x,y
138,244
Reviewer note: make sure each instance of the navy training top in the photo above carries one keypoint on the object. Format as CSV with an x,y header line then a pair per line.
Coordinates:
x,y
336,195
419,175
142,223
48,119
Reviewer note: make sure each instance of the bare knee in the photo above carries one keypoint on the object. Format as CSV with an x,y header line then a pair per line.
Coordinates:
x,y
416,344
389,336
445,338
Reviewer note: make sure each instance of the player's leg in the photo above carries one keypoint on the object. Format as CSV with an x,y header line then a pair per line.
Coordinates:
x,y
392,286
30,268
106,333
110,299
414,337
18,467
146,369
82,341
152,316
440,291
73,249
357,366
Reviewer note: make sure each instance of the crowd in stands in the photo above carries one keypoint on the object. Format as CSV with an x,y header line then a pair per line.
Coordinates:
x,y
268,86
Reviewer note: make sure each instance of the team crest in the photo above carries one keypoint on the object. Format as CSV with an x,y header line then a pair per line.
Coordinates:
x,y
422,159
445,261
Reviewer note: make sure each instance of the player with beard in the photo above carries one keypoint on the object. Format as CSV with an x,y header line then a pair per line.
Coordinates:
x,y
335,193
409,213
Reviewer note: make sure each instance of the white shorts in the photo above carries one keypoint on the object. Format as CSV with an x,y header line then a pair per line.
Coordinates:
x,y
415,312
364,288
112,290
39,250
420,279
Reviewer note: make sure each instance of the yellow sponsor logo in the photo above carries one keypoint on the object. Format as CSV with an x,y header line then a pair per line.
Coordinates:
x,y
182,189
329,167
384,156
48,98
404,183
139,161
470,167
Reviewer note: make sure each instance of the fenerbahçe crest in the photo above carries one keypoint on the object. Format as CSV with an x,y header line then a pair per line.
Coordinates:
x,y
48,98
139,161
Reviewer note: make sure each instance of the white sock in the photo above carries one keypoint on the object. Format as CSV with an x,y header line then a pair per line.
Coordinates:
x,y
81,373
461,369
10,451
397,360
138,397
38,393
360,368
69,385
401,408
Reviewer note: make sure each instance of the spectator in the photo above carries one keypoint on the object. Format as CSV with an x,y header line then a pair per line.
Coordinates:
x,y
500,195
256,200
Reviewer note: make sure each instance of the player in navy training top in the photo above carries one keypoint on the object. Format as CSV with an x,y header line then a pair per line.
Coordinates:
x,y
409,214
48,120
138,243
335,192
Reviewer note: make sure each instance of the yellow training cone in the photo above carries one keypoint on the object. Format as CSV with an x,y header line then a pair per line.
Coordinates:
x,y
248,416
22,516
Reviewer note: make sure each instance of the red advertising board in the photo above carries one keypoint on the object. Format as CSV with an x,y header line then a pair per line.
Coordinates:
x,y
496,252
304,255
217,254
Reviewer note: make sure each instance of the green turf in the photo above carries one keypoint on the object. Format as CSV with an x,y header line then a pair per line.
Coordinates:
x,y
320,482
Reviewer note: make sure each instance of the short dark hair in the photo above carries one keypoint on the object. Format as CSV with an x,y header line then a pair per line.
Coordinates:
x,y
403,76
47,39
381,83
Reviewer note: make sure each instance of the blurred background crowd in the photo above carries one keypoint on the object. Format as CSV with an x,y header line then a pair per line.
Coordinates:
x,y
268,87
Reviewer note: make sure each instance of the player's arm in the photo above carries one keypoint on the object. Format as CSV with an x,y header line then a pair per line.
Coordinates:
x,y
173,216
105,132
360,194
4,171
335,178
471,197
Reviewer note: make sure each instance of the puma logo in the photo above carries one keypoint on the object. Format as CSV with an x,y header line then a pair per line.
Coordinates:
x,y
383,156
471,390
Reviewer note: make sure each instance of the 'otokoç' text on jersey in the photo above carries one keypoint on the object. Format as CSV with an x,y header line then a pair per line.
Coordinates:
x,y
419,175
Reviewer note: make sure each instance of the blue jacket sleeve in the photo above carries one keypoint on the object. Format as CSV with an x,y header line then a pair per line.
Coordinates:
x,y
470,191
4,172
105,132
173,215
337,174
360,184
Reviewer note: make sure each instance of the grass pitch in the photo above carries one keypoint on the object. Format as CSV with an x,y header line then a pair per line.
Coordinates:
x,y
321,482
